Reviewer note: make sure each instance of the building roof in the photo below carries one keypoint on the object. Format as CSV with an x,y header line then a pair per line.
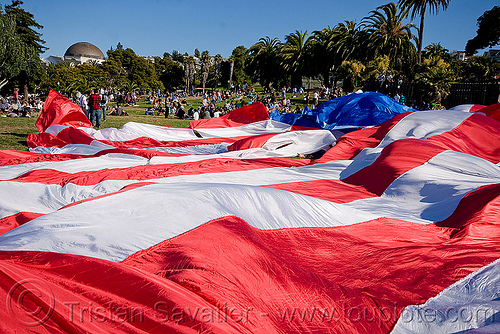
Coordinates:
x,y
84,49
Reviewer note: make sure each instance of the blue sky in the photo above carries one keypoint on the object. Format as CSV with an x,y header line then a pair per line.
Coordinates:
x,y
152,27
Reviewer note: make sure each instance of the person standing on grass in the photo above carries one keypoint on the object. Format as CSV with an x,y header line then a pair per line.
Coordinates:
x,y
16,98
95,109
84,104
104,102
315,100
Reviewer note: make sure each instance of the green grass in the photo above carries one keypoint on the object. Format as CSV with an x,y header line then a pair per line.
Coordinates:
x,y
13,132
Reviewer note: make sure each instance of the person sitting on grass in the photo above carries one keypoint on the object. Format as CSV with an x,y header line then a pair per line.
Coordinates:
x,y
180,112
4,106
118,111
13,110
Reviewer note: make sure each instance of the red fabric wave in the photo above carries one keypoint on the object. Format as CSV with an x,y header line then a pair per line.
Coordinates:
x,y
228,277
58,109
492,111
248,114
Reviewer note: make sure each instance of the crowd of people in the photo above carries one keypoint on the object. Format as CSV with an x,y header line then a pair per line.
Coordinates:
x,y
216,103
19,106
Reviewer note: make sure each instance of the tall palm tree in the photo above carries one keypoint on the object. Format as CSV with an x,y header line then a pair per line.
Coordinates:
x,y
264,59
420,7
217,64
231,70
388,35
293,53
347,41
205,66
189,69
322,52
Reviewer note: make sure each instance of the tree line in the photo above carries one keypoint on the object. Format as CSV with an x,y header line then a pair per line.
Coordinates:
x,y
348,54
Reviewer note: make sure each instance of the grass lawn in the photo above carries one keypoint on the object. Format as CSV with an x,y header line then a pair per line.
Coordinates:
x,y
14,130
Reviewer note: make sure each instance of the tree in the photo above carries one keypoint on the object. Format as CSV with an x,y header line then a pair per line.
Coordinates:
x,y
65,76
217,68
239,58
231,69
488,32
176,56
11,50
420,7
125,67
170,73
293,53
25,22
205,67
480,69
388,35
263,61
32,44
435,75
380,64
189,70
116,74
353,71
94,74
323,58
347,41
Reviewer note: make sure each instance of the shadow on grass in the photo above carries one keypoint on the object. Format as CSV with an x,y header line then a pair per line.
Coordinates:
x,y
13,141
22,135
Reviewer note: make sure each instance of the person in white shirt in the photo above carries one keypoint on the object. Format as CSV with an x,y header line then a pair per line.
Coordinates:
x,y
397,97
315,100
84,104
196,115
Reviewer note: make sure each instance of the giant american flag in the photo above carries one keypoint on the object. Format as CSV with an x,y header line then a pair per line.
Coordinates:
x,y
215,229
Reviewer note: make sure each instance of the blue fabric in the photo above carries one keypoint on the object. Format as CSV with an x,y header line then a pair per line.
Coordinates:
x,y
363,109
353,110
310,121
288,118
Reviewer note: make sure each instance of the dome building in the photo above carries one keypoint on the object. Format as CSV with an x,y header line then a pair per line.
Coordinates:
x,y
83,52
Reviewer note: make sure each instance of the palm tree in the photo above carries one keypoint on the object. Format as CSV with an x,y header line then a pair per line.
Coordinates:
x,y
388,35
293,53
231,70
437,51
205,66
420,7
435,78
322,52
346,41
93,62
353,71
189,69
264,59
129,87
217,62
